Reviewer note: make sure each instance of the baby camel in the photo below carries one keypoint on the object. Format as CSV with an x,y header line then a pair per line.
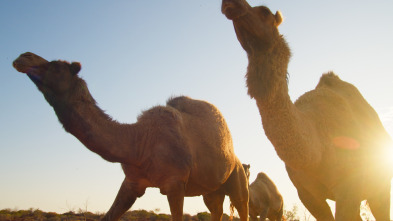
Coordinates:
x,y
332,141
183,148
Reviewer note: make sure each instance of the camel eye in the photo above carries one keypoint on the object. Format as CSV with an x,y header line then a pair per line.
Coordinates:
x,y
264,12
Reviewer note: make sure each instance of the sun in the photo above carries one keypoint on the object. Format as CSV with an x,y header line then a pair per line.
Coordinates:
x,y
386,116
388,153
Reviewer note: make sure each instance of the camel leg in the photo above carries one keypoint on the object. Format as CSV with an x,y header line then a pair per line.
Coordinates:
x,y
348,201
380,204
214,202
124,200
280,214
175,196
241,207
263,214
348,209
236,187
317,207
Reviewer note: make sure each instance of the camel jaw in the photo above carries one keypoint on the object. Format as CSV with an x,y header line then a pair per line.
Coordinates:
x,y
26,62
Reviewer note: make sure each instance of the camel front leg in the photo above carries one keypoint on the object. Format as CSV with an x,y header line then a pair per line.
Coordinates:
x,y
175,195
348,201
347,209
124,200
317,207
263,213
214,202
380,203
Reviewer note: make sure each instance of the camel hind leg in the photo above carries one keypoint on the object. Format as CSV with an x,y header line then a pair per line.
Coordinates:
x,y
236,187
125,198
214,202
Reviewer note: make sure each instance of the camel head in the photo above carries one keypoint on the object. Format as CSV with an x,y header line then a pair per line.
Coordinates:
x,y
255,27
246,168
51,78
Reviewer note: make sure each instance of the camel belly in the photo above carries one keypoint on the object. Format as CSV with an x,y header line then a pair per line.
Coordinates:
x,y
311,183
209,174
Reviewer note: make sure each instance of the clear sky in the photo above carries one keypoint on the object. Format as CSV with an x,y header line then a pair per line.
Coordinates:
x,y
136,54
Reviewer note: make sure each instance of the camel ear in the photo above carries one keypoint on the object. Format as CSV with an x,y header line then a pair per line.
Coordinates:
x,y
278,17
75,67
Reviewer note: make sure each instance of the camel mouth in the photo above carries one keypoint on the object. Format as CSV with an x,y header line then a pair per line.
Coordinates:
x,y
28,61
20,66
28,70
233,9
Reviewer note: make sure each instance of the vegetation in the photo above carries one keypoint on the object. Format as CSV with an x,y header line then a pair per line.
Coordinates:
x,y
143,215
137,215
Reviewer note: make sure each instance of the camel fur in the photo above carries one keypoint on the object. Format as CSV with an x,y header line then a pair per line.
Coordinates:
x,y
331,140
184,148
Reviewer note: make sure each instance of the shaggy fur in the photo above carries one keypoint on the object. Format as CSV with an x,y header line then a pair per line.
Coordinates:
x,y
331,140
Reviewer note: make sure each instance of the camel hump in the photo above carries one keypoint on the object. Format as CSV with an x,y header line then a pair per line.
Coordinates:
x,y
262,177
190,106
332,81
346,90
177,102
329,79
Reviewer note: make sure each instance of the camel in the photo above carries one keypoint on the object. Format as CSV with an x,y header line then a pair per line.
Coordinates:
x,y
246,168
184,148
331,140
265,200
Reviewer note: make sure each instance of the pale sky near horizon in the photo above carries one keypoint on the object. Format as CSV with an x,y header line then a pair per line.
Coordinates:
x,y
137,54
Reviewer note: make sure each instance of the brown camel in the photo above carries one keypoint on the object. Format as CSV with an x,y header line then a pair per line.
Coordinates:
x,y
183,148
331,140
265,200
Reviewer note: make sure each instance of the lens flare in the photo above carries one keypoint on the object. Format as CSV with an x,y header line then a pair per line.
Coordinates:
x,y
346,143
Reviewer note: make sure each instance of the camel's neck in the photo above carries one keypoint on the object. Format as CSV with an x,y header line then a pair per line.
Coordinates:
x,y
284,125
81,117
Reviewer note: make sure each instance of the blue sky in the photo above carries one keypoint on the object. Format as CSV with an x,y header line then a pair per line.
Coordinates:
x,y
136,54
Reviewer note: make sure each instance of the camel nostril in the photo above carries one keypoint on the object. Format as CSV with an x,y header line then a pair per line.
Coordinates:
x,y
226,5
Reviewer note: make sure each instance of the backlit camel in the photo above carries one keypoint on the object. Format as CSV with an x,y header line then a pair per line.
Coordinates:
x,y
265,199
331,140
183,148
